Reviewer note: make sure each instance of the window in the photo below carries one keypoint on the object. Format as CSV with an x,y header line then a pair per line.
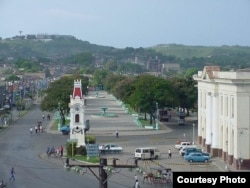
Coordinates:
x,y
77,118
138,151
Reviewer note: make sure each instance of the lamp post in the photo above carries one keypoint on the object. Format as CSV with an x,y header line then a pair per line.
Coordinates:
x,y
88,150
193,131
59,116
157,115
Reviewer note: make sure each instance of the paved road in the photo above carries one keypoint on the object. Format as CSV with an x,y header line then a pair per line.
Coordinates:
x,y
27,153
132,136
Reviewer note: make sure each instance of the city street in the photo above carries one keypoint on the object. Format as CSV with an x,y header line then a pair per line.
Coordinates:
x,y
27,153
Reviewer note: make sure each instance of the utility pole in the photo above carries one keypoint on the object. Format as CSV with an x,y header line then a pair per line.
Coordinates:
x,y
103,183
193,132
103,176
157,116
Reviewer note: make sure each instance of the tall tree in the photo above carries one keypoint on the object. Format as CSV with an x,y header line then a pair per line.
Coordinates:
x,y
187,92
57,96
150,90
99,76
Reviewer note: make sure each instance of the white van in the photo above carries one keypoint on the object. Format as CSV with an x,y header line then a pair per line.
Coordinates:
x,y
147,153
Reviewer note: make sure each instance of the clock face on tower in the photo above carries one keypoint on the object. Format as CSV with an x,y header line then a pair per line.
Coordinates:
x,y
77,108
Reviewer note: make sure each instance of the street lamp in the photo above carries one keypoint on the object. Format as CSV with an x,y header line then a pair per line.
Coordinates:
x,y
193,132
157,114
59,116
88,150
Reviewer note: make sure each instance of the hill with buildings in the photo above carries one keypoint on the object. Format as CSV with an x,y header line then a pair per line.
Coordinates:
x,y
66,48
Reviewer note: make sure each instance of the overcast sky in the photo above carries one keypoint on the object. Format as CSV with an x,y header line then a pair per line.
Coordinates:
x,y
131,23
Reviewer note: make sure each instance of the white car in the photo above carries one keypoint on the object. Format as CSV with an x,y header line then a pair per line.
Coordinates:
x,y
182,151
110,148
182,144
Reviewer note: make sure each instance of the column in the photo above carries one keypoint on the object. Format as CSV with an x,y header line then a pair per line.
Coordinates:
x,y
208,118
214,133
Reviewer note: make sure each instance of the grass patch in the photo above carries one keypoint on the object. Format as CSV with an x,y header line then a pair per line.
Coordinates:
x,y
145,122
130,109
54,126
84,158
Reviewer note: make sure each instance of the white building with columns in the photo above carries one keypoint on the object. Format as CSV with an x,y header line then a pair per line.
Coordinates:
x,y
224,114
77,111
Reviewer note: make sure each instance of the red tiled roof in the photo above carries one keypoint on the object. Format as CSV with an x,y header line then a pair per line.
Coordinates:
x,y
77,92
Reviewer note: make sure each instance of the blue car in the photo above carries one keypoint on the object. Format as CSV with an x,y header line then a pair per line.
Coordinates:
x,y
197,157
65,129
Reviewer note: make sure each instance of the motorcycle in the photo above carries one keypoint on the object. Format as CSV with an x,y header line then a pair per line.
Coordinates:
x,y
2,184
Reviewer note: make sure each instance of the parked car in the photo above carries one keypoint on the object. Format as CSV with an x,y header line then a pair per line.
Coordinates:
x,y
65,129
188,149
184,144
197,157
110,148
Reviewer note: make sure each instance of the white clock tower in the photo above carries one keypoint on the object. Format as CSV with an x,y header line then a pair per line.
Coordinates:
x,y
77,111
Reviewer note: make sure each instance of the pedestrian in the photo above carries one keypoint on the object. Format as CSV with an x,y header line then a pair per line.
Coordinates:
x,y
58,151
36,129
61,151
48,117
169,153
43,117
48,151
116,133
67,162
136,178
12,176
137,184
31,130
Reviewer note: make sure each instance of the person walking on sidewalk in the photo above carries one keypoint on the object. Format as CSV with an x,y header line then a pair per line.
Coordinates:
x,y
61,151
12,176
116,134
137,184
31,130
36,128
169,153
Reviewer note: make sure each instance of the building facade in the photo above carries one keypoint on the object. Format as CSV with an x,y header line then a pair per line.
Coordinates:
x,y
224,114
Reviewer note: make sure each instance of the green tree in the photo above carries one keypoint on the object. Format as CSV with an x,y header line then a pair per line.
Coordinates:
x,y
149,90
111,80
99,77
28,65
59,93
187,92
124,88
13,77
111,65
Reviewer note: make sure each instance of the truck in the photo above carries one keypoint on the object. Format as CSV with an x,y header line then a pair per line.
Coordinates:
x,y
110,148
164,114
184,144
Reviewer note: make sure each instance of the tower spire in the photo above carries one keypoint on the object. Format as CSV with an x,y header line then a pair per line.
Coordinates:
x,y
77,92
